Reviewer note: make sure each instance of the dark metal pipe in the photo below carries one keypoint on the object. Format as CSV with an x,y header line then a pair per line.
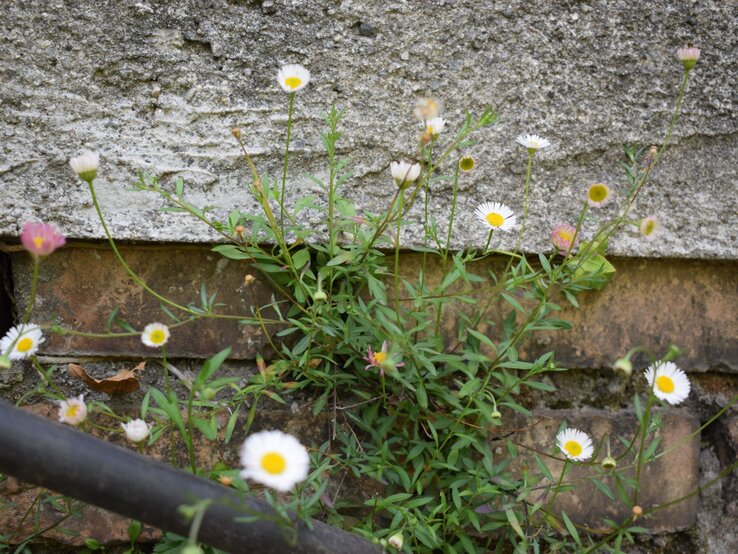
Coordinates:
x,y
75,464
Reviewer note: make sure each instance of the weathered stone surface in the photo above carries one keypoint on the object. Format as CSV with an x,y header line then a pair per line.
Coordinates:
x,y
80,288
669,478
156,86
653,303
648,302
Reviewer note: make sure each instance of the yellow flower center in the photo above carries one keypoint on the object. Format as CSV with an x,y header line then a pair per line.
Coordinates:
x,y
496,220
573,448
157,336
72,411
565,236
597,193
273,462
665,384
24,345
38,241
293,82
380,357
648,227
466,163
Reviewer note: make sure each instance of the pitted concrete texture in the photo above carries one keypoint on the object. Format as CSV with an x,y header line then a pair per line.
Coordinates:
x,y
157,85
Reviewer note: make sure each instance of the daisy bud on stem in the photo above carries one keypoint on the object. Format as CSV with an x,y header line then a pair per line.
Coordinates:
x,y
86,166
689,57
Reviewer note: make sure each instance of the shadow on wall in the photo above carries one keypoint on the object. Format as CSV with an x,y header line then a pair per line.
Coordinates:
x,y
7,309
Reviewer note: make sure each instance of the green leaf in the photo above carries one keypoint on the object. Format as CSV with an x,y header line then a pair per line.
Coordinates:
x,y
231,251
208,428
470,387
301,258
482,338
514,523
210,366
544,469
571,528
421,395
231,425
341,258
134,530
603,488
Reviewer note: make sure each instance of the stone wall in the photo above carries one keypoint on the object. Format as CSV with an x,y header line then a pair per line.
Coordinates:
x,y
157,85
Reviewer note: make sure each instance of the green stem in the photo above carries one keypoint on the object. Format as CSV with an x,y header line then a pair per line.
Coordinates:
x,y
202,507
526,197
286,157
191,433
489,240
558,485
45,377
397,258
639,455
426,226
439,306
32,296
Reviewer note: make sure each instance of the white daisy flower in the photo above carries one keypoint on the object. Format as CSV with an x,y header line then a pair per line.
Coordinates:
x,y
274,459
404,173
668,382
85,165
73,410
293,77
155,335
575,444
533,142
435,126
21,341
136,430
649,227
496,216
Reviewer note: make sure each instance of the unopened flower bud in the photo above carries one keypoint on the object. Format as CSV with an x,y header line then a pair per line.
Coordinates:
x,y
637,511
396,540
239,230
208,393
225,480
192,549
689,56
320,296
495,414
249,280
86,166
609,463
137,430
624,366
5,362
236,131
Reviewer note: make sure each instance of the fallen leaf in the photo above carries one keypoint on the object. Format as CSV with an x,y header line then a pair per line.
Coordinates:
x,y
124,381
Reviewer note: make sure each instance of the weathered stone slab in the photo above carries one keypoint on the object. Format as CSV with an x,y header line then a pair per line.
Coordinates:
x,y
80,287
649,302
157,86
669,478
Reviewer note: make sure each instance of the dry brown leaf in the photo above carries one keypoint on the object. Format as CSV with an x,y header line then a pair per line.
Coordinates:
x,y
123,382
